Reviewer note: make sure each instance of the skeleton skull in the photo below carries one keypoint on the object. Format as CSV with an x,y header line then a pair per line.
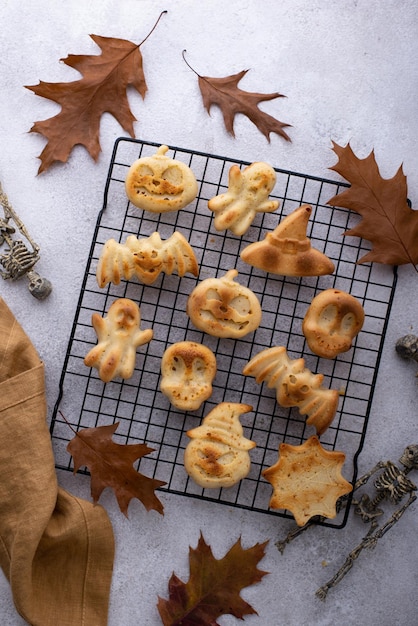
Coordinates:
x,y
332,321
39,287
409,457
188,369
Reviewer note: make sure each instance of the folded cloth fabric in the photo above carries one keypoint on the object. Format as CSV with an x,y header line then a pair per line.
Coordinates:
x,y
55,549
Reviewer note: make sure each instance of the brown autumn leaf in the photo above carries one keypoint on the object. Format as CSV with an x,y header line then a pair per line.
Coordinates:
x,y
225,93
102,89
111,465
388,221
214,586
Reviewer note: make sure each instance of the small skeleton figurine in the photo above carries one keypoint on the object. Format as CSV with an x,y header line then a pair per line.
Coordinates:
x,y
407,347
19,259
392,484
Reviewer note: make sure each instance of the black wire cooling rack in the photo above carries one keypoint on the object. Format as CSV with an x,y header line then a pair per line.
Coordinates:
x,y
144,414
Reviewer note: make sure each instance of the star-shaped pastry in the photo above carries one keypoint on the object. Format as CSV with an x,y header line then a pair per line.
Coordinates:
x,y
307,480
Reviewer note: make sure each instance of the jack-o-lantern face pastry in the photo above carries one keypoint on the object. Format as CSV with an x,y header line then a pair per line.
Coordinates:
x,y
146,258
296,386
158,183
217,455
119,335
334,318
247,195
224,308
287,250
188,369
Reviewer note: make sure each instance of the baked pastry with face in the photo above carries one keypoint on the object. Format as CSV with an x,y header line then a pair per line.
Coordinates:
x,y
334,318
119,335
188,369
295,385
247,195
145,258
159,183
218,453
224,308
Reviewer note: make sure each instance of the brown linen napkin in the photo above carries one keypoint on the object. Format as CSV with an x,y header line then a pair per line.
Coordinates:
x,y
55,549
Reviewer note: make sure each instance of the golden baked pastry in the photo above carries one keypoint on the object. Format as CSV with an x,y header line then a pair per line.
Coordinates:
x,y
224,308
145,258
217,455
287,250
188,369
295,386
119,336
307,480
158,183
247,195
334,318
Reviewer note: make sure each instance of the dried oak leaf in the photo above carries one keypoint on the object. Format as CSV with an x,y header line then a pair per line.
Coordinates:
x,y
225,93
214,586
388,221
83,102
111,465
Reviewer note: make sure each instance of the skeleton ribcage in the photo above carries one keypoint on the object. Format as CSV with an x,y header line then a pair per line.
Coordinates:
x,y
394,482
18,260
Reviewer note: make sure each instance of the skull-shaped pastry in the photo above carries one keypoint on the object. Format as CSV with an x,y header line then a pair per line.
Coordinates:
x,y
188,369
333,319
158,183
217,455
224,308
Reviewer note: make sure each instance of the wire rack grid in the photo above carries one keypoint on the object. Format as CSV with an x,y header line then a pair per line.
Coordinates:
x,y
143,413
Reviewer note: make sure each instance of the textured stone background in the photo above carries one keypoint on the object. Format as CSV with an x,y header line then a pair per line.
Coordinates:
x,y
349,71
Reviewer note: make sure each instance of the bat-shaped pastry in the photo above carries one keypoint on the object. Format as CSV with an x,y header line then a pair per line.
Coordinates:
x,y
145,258
295,385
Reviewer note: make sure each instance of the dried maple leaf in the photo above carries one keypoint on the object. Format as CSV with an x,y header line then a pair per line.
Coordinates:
x,y
388,221
111,465
225,93
214,586
83,102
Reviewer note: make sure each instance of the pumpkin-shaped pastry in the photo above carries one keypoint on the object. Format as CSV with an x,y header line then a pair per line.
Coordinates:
x,y
217,455
223,308
334,318
158,183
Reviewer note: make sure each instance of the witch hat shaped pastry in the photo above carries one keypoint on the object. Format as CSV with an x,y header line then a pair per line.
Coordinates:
x,y
287,250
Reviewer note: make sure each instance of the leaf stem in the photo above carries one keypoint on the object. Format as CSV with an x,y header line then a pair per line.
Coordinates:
x,y
67,422
153,28
188,64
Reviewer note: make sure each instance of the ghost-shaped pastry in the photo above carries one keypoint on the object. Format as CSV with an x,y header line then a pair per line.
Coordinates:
x,y
248,192
118,336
